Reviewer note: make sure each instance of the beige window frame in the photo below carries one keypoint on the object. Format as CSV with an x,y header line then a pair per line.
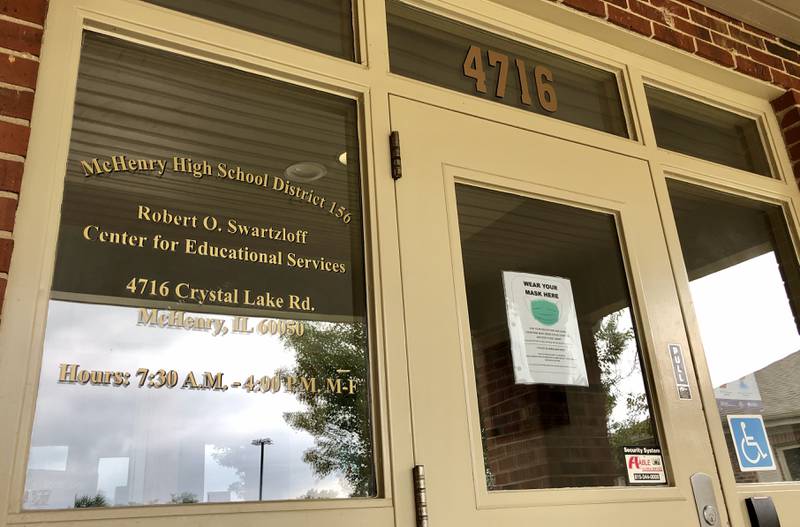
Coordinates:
x,y
540,23
38,219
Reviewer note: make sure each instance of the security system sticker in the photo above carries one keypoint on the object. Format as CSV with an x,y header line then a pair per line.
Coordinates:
x,y
752,444
644,465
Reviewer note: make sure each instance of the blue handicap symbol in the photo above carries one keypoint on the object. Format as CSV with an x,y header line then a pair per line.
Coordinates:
x,y
751,442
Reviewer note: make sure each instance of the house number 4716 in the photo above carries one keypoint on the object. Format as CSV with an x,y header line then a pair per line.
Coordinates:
x,y
542,77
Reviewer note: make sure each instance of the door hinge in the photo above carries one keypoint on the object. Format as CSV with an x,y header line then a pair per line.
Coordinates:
x,y
420,494
394,155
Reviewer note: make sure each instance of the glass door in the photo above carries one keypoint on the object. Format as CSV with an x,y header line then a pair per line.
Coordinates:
x,y
547,354
741,276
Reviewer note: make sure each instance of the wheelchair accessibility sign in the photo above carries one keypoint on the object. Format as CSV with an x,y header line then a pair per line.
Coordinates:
x,y
752,445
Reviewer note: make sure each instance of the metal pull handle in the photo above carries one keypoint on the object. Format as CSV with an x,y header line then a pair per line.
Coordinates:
x,y
703,488
420,495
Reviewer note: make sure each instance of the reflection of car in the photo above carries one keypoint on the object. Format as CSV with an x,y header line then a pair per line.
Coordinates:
x,y
774,392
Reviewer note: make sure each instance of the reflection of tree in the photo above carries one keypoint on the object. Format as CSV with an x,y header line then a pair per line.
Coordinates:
x,y
490,478
611,342
339,422
314,494
85,502
236,458
635,429
184,497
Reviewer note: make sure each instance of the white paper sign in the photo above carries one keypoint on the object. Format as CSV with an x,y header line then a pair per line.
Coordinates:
x,y
743,389
543,326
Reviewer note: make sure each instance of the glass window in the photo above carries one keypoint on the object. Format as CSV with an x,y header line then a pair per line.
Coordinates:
x,y
434,49
321,25
744,280
701,130
561,430
207,336
791,457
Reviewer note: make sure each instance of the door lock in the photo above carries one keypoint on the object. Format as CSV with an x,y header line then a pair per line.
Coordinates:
x,y
704,499
710,514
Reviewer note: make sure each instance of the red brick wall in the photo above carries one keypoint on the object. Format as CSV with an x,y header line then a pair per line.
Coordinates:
x,y
542,436
787,107
687,25
21,27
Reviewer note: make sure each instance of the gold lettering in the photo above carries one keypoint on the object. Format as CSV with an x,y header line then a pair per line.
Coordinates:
x,y
90,229
545,88
334,385
213,381
525,91
502,78
91,169
148,317
67,372
118,163
309,385
190,382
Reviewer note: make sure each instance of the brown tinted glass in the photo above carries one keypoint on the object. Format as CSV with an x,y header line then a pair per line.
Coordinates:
x,y
207,336
435,49
696,129
549,435
745,281
321,25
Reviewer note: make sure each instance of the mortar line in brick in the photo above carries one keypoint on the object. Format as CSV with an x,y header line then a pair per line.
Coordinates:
x,y
7,194
15,87
790,127
21,22
690,35
15,120
6,235
20,54
12,157
713,15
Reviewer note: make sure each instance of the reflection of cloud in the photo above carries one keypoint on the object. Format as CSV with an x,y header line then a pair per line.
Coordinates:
x,y
744,316
163,432
112,473
48,458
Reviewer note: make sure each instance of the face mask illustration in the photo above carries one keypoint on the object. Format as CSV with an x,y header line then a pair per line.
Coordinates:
x,y
545,312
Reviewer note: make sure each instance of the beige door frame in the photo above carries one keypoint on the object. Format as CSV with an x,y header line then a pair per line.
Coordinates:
x,y
446,149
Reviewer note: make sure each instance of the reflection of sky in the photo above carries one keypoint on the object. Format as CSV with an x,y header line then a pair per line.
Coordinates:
x,y
155,441
744,317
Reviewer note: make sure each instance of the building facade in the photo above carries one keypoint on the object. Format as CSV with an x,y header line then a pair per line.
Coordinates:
x,y
399,262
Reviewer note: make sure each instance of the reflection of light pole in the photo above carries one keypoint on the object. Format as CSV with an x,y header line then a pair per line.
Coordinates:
x,y
261,442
